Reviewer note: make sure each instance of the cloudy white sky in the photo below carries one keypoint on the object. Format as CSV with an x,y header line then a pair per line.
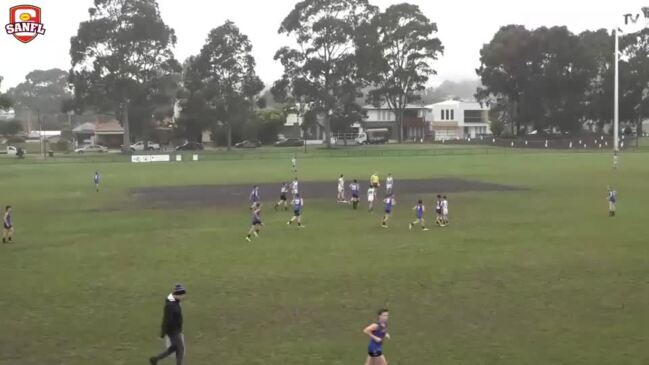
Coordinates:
x,y
464,26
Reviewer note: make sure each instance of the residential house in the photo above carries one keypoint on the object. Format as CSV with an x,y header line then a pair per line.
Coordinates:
x,y
414,120
105,132
456,119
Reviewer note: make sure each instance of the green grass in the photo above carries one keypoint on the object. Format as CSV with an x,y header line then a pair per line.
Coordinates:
x,y
538,276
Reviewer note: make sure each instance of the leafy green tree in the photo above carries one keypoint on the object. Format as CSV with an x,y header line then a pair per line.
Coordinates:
x,y
122,62
635,78
43,91
504,71
195,114
11,128
497,127
230,84
322,69
596,57
399,47
5,100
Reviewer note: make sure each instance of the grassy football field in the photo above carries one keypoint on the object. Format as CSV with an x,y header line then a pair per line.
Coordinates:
x,y
536,275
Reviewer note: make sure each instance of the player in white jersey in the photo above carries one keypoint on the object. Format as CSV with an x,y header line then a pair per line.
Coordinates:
x,y
444,211
371,194
295,187
294,164
341,189
389,184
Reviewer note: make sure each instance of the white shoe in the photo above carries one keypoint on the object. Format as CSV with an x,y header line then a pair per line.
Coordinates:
x,y
248,239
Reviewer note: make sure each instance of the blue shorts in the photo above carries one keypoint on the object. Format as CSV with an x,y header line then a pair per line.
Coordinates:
x,y
375,352
355,195
296,213
388,211
256,222
420,217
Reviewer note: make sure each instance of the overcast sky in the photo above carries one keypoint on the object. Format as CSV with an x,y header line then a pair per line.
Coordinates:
x,y
464,26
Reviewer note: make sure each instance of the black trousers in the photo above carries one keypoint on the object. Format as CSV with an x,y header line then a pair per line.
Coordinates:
x,y
177,346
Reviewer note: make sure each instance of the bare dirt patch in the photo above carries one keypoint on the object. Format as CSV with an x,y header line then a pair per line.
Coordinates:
x,y
233,195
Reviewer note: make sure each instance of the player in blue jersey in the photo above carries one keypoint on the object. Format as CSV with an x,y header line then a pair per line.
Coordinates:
x,y
254,196
298,203
96,179
419,211
256,221
378,333
356,192
612,201
390,202
7,225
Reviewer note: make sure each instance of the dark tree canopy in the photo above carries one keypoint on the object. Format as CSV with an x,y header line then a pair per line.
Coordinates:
x,y
43,90
396,53
123,55
221,83
322,69
5,100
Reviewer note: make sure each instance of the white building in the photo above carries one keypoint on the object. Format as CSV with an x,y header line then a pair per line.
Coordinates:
x,y
453,119
7,114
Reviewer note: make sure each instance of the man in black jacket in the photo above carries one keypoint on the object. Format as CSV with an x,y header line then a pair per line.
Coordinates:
x,y
172,326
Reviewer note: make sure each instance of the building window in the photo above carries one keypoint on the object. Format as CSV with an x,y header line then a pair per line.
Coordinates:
x,y
473,116
452,114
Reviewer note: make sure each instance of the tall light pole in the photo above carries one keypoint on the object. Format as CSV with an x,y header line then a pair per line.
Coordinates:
x,y
616,92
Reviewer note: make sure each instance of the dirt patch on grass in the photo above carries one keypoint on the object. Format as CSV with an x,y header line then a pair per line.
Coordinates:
x,y
232,195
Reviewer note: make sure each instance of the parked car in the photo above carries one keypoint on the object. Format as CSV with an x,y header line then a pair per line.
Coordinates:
x,y
12,150
289,142
91,148
139,146
248,144
190,146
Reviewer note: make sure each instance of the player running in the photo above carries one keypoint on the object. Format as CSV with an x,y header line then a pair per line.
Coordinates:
x,y
298,203
371,194
378,332
283,190
419,211
612,201
294,164
8,226
390,202
341,190
256,221
389,184
96,179
254,196
356,191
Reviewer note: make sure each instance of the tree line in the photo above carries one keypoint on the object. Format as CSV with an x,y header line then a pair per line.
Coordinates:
x,y
340,54
553,79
